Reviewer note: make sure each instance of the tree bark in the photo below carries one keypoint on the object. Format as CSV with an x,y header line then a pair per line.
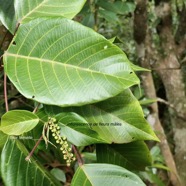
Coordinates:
x,y
165,61
172,78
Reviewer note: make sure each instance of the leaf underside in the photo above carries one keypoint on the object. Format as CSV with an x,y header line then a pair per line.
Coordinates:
x,y
13,12
60,62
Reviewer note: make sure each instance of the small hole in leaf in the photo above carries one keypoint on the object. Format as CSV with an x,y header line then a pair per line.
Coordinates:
x,y
14,43
33,97
131,72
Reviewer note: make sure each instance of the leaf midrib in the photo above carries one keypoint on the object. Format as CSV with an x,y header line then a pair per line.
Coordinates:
x,y
20,123
122,121
66,65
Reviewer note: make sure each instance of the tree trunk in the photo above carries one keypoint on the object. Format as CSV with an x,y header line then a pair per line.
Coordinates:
x,y
164,61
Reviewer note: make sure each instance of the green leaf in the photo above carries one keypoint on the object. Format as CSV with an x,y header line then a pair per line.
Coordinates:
x,y
132,156
138,68
87,156
17,122
118,120
146,101
17,171
58,174
77,130
13,12
117,7
3,139
88,20
109,16
107,6
60,62
104,175
124,7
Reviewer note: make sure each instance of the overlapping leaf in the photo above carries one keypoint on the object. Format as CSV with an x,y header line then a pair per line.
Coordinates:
x,y
17,122
17,171
132,156
77,130
13,12
3,139
60,62
117,120
105,175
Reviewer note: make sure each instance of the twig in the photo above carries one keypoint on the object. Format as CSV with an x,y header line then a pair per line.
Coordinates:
x,y
78,155
34,148
172,107
165,102
37,143
36,108
5,93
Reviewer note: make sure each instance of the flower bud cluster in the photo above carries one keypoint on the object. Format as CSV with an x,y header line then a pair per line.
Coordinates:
x,y
65,149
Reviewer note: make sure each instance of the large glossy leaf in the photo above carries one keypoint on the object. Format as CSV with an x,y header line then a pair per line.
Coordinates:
x,y
16,171
60,62
132,156
104,175
17,122
13,12
77,130
116,120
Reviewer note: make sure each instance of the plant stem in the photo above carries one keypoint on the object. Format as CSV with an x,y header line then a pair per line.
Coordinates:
x,y
35,146
36,108
78,155
5,93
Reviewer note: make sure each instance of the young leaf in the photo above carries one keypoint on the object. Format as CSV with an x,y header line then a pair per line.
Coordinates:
x,y
60,62
17,122
17,171
132,156
13,12
104,175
